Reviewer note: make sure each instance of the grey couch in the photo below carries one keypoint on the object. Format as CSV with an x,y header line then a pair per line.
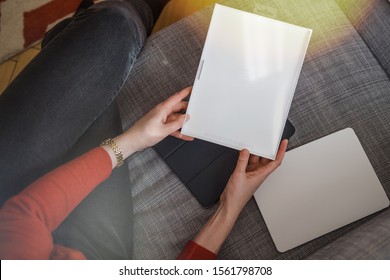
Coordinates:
x,y
344,83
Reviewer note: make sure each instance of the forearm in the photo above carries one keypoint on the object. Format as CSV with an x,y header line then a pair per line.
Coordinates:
x,y
217,229
28,219
53,196
249,174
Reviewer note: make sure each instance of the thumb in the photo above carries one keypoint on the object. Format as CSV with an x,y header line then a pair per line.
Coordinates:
x,y
242,161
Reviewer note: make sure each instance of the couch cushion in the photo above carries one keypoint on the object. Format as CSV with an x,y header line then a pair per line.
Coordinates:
x,y
341,85
372,20
369,241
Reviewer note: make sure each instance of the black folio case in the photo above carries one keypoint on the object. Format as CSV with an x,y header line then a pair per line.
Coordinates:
x,y
203,167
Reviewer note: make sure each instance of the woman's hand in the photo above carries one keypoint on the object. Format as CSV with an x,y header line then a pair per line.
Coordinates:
x,y
250,173
163,120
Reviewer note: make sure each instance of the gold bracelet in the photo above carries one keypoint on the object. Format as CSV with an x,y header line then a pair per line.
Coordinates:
x,y
117,151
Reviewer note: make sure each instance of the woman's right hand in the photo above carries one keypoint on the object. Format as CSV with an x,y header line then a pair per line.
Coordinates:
x,y
250,173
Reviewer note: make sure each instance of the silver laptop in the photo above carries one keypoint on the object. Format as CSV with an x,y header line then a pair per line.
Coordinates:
x,y
320,187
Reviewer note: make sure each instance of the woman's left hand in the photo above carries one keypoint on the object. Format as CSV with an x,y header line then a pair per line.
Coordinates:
x,y
163,120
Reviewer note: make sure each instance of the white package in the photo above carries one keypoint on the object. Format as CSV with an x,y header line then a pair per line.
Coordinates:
x,y
246,80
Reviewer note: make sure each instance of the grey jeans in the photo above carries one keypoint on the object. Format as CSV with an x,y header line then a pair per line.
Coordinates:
x,y
62,104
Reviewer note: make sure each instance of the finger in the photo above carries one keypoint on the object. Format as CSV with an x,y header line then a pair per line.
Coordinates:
x,y
279,156
264,161
176,123
178,135
172,117
176,98
282,151
267,165
181,106
242,161
254,159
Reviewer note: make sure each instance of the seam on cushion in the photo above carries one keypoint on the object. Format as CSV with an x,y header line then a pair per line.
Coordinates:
x,y
364,41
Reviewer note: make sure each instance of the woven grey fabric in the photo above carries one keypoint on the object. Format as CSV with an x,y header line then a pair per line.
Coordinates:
x,y
341,85
369,241
371,18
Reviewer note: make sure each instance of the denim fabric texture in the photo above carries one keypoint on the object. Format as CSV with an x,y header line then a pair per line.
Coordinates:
x,y
62,104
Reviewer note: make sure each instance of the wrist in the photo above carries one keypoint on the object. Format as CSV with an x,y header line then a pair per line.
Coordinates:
x,y
232,205
229,211
119,148
114,152
127,142
216,230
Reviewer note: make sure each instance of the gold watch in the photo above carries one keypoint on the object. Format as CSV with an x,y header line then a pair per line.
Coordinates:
x,y
117,151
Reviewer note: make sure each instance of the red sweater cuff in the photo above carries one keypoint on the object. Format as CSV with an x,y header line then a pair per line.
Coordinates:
x,y
193,251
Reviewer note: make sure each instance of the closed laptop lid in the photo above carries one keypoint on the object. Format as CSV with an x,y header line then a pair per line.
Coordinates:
x,y
320,186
